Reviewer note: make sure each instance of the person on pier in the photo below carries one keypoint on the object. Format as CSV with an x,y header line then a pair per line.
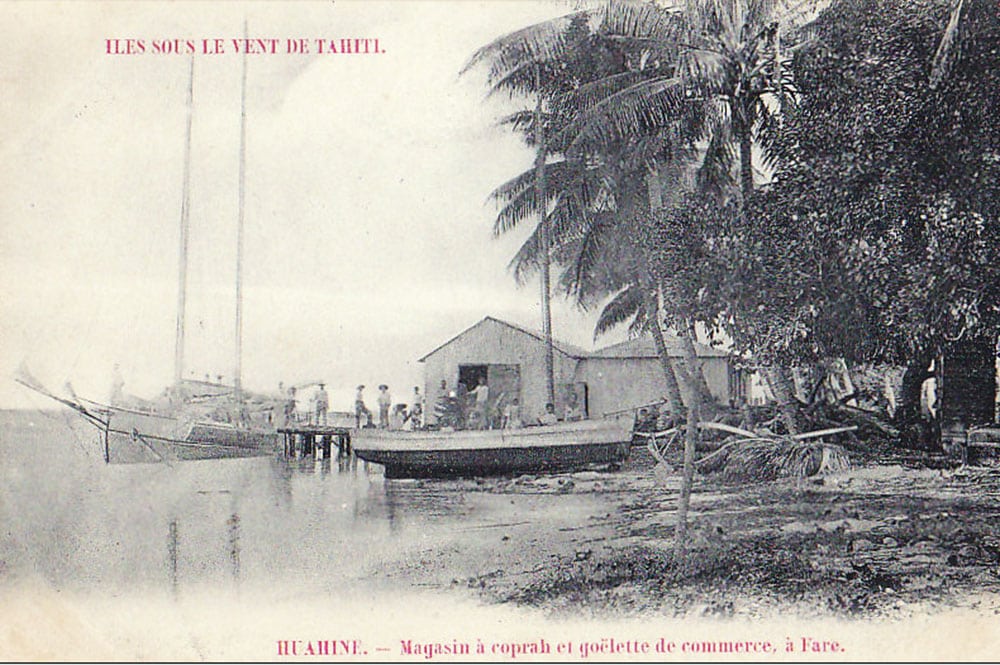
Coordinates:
x,y
482,397
322,404
573,411
290,406
549,417
398,417
384,403
360,410
512,415
416,408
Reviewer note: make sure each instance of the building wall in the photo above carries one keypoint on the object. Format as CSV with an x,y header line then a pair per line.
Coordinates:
x,y
621,383
491,342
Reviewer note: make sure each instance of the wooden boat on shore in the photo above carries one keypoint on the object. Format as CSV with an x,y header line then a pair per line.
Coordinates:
x,y
540,449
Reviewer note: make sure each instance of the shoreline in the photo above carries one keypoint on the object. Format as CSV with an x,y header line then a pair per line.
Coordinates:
x,y
876,541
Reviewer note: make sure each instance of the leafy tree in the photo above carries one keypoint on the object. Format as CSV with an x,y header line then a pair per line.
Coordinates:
x,y
895,182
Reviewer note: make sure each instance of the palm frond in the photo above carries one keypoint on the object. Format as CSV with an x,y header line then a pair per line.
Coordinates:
x,y
641,21
527,260
706,73
715,173
767,135
587,258
535,43
592,93
944,55
563,228
519,80
647,104
518,197
519,121
626,306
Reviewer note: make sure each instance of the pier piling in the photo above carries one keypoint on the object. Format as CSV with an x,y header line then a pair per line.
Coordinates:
x,y
316,441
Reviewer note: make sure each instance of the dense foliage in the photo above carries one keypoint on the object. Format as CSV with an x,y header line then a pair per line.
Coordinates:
x,y
891,186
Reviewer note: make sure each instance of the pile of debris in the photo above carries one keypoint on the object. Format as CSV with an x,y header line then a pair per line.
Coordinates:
x,y
749,456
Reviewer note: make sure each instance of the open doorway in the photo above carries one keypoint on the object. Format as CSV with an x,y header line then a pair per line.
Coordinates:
x,y
470,375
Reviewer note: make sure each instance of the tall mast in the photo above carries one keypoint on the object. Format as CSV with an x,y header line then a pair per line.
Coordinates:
x,y
238,382
184,232
544,229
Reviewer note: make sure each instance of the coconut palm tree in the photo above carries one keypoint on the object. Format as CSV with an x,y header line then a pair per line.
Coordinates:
x,y
518,64
724,96
548,62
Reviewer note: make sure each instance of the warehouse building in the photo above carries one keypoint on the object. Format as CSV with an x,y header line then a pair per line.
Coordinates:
x,y
511,359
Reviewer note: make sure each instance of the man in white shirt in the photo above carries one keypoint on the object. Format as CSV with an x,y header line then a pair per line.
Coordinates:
x,y
482,393
384,402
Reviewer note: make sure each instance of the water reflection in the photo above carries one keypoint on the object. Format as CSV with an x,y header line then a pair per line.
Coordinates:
x,y
269,521
234,544
172,542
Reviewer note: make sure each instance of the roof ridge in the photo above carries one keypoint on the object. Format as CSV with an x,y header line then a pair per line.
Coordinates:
x,y
564,348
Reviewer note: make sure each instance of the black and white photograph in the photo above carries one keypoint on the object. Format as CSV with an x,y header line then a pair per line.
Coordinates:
x,y
506,331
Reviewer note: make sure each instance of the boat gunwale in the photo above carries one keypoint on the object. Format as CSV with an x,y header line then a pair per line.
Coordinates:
x,y
588,425
596,432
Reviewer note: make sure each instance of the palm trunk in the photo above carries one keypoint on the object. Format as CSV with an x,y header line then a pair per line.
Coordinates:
x,y
667,364
746,163
674,401
908,409
545,250
690,441
694,364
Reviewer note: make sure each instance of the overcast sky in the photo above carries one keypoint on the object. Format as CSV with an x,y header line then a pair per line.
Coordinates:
x,y
368,231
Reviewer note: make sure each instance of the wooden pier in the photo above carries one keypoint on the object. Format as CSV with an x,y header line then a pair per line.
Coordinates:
x,y
316,440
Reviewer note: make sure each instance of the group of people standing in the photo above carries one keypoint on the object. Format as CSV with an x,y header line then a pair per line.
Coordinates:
x,y
398,417
479,409
460,408
320,406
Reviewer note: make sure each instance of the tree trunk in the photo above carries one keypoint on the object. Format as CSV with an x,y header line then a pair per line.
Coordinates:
x,y
674,401
670,373
690,441
746,162
543,223
694,363
784,394
908,408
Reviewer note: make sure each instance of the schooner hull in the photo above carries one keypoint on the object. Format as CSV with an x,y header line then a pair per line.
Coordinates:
x,y
544,449
169,438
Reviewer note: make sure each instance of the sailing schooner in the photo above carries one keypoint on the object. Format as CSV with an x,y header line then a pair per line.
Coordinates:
x,y
190,419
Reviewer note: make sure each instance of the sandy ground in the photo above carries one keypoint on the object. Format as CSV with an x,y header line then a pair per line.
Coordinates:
x,y
877,541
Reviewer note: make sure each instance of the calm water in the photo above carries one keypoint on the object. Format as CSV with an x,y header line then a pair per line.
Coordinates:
x,y
86,526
